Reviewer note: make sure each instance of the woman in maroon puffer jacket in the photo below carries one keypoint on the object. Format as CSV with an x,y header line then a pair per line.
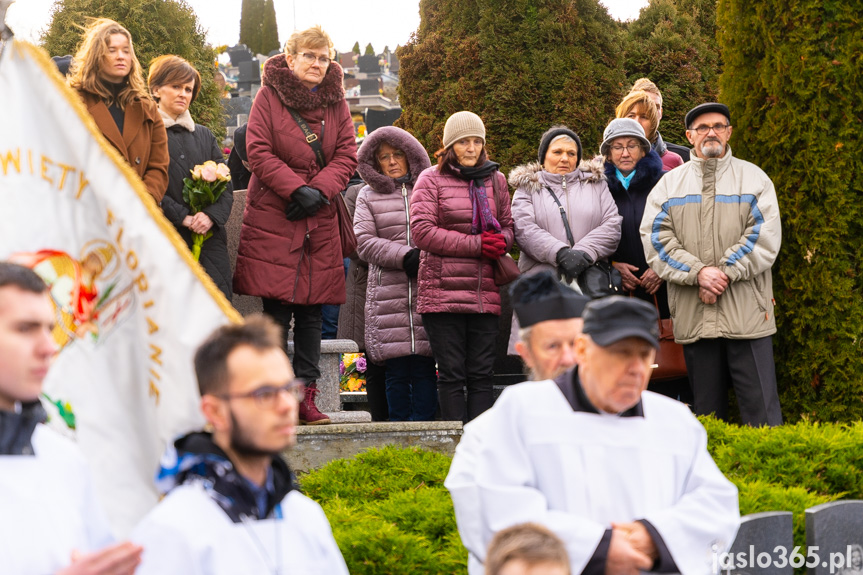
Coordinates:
x,y
461,220
289,252
390,160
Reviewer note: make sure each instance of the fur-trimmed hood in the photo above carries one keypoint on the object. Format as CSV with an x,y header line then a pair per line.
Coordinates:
x,y
293,94
417,157
532,177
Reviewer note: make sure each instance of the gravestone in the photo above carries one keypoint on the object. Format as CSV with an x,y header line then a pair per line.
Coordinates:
x,y
394,64
837,530
240,53
379,118
369,87
250,74
760,533
235,107
369,65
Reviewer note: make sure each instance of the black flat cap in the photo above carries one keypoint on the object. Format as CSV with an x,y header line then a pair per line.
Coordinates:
x,y
706,108
540,297
610,319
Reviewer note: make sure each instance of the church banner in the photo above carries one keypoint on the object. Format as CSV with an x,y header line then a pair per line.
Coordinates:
x,y
131,304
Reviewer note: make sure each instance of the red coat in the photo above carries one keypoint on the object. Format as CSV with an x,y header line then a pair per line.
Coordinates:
x,y
454,277
296,262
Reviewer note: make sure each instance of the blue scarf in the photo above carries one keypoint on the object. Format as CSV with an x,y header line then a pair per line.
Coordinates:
x,y
625,180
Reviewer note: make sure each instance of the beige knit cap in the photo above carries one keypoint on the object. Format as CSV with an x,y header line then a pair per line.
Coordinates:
x,y
461,125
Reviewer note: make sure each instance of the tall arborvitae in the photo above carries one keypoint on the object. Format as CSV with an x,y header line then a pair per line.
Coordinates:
x,y
369,51
157,27
673,43
258,28
522,65
793,77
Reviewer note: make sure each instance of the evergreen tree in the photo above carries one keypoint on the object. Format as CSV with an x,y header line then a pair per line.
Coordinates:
x,y
369,50
356,48
157,27
522,65
792,78
673,43
258,28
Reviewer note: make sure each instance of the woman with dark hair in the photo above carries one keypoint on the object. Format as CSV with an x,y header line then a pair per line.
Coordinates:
x,y
390,160
461,220
301,148
174,84
107,75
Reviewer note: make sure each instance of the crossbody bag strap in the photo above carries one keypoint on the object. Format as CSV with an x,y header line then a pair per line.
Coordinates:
x,y
563,217
311,138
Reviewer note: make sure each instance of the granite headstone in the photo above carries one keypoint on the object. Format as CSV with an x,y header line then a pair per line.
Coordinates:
x,y
837,530
759,534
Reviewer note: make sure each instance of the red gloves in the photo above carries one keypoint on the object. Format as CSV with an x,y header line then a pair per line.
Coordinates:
x,y
493,245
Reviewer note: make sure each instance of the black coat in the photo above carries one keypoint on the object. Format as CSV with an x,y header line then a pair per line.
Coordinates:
x,y
630,204
188,149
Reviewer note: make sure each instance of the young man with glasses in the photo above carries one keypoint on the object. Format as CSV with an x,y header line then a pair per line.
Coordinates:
x,y
711,229
232,504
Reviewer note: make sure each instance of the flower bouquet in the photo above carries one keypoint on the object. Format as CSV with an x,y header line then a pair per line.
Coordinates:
x,y
352,372
201,191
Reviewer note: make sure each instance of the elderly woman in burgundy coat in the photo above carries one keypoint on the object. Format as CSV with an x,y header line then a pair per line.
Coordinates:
x,y
390,161
289,251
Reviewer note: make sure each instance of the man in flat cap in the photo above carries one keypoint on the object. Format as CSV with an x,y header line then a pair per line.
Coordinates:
x,y
622,475
711,230
549,316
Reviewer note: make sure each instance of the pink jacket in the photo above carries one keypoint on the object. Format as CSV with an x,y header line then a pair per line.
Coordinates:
x,y
381,222
454,277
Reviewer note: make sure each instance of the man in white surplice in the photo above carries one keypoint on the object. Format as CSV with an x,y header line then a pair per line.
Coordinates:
x,y
620,474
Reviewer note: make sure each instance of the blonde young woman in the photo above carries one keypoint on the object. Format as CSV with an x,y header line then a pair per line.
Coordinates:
x,y
107,75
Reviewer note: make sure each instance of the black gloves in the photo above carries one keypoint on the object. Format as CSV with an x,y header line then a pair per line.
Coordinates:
x,y
570,263
305,202
411,263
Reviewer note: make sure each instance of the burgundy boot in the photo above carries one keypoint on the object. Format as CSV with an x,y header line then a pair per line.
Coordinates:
x,y
309,414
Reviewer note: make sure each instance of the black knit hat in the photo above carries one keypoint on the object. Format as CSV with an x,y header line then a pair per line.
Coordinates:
x,y
540,297
550,135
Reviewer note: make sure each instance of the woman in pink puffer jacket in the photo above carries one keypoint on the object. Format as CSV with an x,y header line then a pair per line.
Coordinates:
x,y
461,220
390,160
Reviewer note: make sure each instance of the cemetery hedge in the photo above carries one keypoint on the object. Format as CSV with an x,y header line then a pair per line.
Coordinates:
x,y
157,27
390,512
792,77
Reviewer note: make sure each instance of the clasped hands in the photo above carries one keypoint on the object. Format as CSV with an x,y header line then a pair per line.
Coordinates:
x,y
631,549
305,202
648,280
200,223
712,283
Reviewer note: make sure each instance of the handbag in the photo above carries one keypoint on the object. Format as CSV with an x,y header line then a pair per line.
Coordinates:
x,y
347,237
505,270
670,362
600,279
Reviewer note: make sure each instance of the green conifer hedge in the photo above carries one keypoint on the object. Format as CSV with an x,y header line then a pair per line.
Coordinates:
x,y
793,78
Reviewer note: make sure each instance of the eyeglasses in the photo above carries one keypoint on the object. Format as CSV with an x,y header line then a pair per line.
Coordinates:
x,y
265,396
385,159
718,128
310,58
631,148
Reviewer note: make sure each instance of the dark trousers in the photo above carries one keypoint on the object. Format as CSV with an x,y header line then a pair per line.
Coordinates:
x,y
747,364
376,391
307,334
411,388
464,346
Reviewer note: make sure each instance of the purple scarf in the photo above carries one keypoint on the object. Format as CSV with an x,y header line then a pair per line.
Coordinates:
x,y
482,220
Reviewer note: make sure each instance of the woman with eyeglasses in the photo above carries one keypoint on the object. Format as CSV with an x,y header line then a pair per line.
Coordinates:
x,y
565,219
390,160
632,168
301,150
641,106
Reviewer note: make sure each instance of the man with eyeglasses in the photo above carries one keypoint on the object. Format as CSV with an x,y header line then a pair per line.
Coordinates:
x,y
711,229
232,504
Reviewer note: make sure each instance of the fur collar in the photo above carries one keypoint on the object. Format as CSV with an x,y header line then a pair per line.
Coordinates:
x,y
293,94
529,175
648,170
184,120
418,159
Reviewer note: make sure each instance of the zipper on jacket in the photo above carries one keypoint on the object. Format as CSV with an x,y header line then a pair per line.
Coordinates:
x,y
380,270
410,289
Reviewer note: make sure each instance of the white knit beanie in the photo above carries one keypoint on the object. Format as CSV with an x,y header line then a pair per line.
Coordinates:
x,y
461,125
